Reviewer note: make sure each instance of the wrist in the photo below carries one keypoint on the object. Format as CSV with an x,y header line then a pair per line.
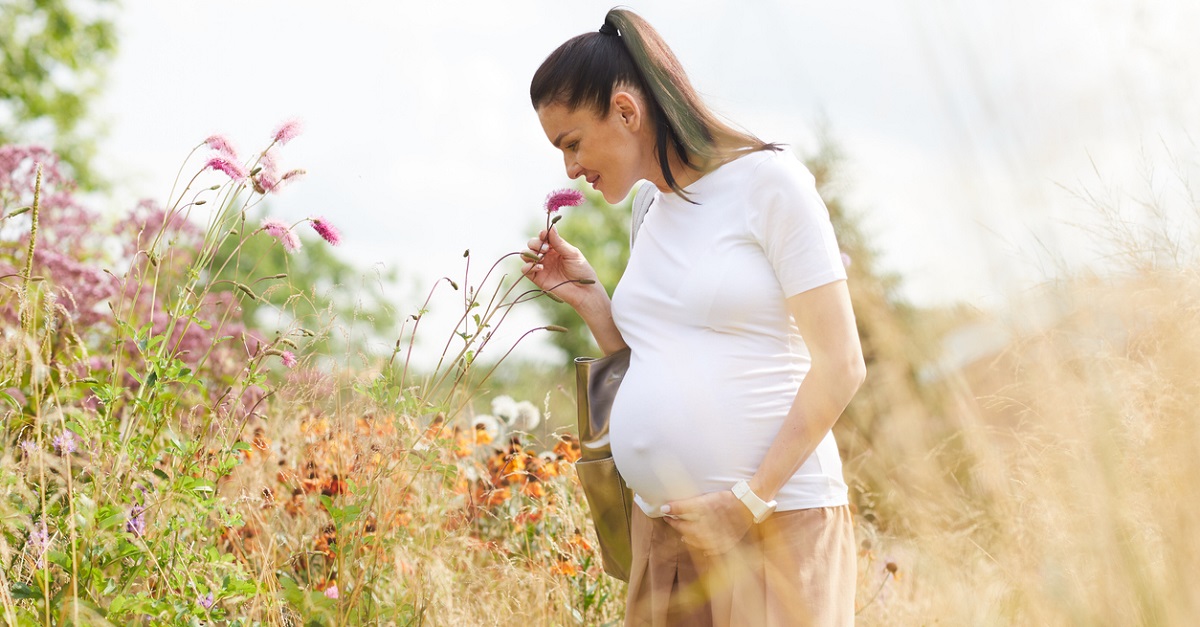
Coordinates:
x,y
759,508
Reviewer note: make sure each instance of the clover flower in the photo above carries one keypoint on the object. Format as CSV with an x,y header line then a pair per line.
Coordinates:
x,y
331,591
207,601
28,448
287,132
282,232
563,198
65,443
327,231
235,170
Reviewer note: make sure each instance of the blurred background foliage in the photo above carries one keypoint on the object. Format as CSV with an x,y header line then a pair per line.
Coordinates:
x,y
350,309
53,60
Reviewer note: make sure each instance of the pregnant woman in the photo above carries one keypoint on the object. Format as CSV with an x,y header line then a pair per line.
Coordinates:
x,y
744,349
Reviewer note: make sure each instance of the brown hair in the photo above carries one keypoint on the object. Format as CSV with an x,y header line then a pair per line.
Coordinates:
x,y
627,51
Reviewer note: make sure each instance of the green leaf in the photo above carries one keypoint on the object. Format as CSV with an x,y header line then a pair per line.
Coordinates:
x,y
7,398
25,591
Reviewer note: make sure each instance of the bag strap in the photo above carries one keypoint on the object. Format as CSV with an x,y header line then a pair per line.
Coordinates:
x,y
641,206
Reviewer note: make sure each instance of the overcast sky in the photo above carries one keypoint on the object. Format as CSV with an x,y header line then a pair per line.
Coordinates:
x,y
966,124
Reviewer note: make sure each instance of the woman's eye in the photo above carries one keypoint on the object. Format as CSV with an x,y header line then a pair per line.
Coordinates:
x,y
573,146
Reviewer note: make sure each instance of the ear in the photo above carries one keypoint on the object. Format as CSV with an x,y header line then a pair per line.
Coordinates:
x,y
629,108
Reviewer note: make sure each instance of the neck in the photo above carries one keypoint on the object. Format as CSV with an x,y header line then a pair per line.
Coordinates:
x,y
684,174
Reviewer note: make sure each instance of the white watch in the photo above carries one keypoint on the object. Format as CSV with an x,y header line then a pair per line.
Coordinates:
x,y
760,508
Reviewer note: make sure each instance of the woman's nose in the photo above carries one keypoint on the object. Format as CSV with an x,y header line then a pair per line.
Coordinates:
x,y
574,170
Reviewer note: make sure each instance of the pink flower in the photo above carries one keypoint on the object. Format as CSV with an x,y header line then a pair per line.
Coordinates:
x,y
265,183
221,144
234,169
563,198
283,233
288,358
331,591
287,132
327,231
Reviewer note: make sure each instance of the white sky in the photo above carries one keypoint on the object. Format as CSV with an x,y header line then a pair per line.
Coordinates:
x,y
962,121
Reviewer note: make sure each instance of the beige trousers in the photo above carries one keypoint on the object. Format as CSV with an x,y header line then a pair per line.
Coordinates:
x,y
796,569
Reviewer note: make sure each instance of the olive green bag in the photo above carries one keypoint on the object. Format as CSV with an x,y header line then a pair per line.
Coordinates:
x,y
597,382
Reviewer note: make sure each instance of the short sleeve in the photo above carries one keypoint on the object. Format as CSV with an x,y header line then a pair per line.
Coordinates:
x,y
790,221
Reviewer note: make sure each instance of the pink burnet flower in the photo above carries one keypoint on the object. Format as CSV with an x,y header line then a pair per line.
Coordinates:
x,y
235,170
327,231
331,591
265,183
287,132
221,144
282,232
563,198
288,358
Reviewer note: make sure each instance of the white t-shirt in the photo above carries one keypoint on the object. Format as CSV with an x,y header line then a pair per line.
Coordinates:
x,y
716,358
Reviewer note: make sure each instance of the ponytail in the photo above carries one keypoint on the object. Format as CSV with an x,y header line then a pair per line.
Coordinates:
x,y
627,51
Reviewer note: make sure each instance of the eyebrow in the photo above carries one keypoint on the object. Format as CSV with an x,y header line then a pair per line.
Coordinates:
x,y
560,138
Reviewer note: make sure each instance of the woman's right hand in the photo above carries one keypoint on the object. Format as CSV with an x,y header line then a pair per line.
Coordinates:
x,y
560,268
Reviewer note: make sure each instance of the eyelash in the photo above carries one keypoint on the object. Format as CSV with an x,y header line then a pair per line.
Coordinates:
x,y
573,146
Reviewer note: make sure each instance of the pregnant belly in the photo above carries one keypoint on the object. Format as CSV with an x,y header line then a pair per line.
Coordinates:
x,y
677,434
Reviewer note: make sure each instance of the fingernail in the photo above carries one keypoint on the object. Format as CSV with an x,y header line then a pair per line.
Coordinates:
x,y
545,247
666,509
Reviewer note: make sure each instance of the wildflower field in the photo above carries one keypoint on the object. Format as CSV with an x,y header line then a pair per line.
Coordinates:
x,y
170,460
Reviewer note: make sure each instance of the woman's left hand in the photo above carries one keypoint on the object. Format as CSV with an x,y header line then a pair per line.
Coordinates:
x,y
710,523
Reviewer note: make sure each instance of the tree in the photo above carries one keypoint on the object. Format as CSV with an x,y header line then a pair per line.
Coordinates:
x,y
52,59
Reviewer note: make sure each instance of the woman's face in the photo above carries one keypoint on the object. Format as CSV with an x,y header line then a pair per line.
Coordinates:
x,y
608,151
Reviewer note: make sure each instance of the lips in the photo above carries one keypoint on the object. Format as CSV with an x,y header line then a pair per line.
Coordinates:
x,y
592,181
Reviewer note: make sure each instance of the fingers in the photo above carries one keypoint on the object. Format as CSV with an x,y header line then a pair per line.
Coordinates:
x,y
536,245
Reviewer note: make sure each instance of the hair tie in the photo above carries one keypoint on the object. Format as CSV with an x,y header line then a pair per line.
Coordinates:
x,y
608,29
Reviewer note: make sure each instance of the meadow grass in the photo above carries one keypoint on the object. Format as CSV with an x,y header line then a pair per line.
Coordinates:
x,y
167,464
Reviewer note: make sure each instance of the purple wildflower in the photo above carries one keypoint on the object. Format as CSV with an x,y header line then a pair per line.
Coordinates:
x,y
137,521
563,198
221,144
65,443
234,169
331,591
207,601
29,448
327,231
288,358
287,132
39,542
283,233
